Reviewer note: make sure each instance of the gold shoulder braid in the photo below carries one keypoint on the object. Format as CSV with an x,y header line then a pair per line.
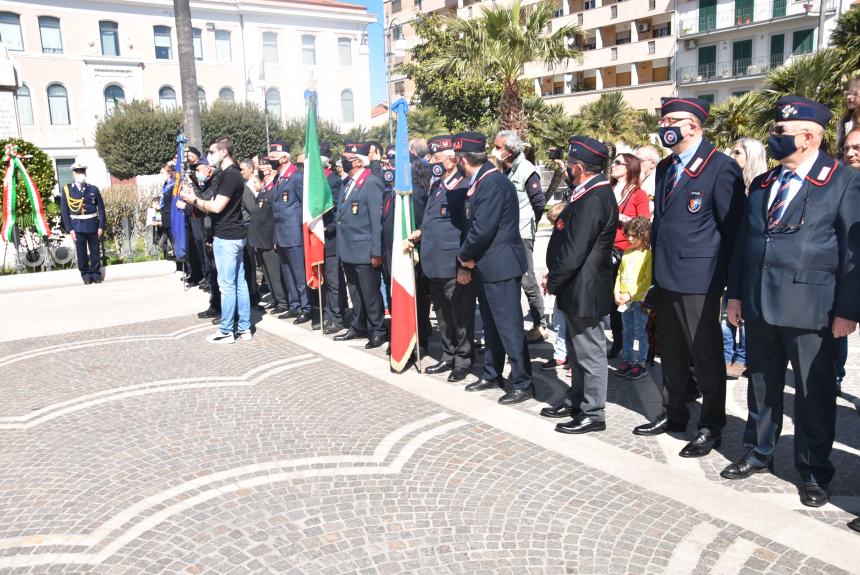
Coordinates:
x,y
75,205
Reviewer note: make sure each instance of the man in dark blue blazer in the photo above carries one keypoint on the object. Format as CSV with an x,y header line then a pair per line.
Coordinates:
x,y
287,211
83,213
440,231
493,252
579,260
698,204
359,245
795,281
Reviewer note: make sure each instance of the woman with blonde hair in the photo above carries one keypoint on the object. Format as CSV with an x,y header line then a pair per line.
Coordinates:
x,y
751,156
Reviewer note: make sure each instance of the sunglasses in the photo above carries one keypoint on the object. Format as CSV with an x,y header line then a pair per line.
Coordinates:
x,y
618,163
783,131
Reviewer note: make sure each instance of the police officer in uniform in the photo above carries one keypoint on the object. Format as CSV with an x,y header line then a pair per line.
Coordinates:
x,y
579,260
794,280
287,210
261,237
697,211
359,245
83,213
440,231
335,295
493,252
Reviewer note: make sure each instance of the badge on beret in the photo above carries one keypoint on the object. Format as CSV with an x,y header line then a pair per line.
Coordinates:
x,y
788,111
354,149
559,224
354,208
458,144
694,201
468,209
443,210
260,205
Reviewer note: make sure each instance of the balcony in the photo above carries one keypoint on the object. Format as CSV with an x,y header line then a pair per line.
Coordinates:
x,y
625,12
621,54
732,70
731,16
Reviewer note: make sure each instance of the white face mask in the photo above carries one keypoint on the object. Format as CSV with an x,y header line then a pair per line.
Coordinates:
x,y
212,158
80,179
498,154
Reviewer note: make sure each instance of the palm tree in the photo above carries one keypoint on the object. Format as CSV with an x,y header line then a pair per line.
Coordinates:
x,y
425,122
500,43
612,120
745,116
550,125
187,73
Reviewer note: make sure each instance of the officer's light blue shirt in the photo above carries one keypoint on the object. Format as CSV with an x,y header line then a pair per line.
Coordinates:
x,y
687,155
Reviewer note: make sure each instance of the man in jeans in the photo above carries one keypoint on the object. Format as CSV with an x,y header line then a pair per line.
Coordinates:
x,y
225,207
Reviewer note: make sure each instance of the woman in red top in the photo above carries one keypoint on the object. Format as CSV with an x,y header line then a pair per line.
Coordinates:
x,y
632,202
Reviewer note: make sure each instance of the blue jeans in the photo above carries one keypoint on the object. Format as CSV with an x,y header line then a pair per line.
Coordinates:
x,y
559,324
635,322
231,282
734,352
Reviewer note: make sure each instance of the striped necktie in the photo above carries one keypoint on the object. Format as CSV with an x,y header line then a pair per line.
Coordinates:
x,y
777,208
672,175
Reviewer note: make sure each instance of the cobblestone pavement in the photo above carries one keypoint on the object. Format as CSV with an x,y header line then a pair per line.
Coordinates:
x,y
138,448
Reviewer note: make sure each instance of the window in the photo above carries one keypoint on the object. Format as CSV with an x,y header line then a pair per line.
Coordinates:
x,y
309,50
741,57
589,4
270,47
197,42
114,96
709,98
707,15
49,32
740,93
167,97
395,6
707,61
613,11
347,109
652,47
25,106
399,87
652,4
344,49
613,54
58,105
65,175
396,32
10,31
273,102
109,33
743,12
622,37
223,51
163,43
201,97
779,8
801,41
579,19
662,30
226,94
777,50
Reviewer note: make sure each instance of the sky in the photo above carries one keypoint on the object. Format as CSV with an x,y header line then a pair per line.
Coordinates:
x,y
378,92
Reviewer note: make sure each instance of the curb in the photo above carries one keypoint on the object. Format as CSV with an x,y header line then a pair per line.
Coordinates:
x,y
65,278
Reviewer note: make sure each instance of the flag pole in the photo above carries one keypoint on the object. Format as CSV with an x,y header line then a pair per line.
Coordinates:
x,y
319,292
415,311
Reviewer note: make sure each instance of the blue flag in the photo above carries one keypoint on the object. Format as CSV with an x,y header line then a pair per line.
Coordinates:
x,y
177,215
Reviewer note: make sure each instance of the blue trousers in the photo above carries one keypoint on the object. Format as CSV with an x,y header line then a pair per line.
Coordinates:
x,y
734,351
229,259
87,249
503,333
293,272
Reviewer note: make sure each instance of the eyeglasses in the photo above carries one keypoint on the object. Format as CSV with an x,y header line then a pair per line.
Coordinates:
x,y
618,163
783,131
669,121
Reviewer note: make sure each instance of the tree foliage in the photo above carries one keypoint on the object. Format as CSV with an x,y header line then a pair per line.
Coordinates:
x,y
244,122
743,116
612,120
41,169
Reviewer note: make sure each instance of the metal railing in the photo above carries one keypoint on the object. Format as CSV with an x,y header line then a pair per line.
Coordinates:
x,y
737,68
738,16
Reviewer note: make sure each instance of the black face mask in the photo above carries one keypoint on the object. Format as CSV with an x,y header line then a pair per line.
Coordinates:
x,y
260,175
274,164
348,164
780,147
437,169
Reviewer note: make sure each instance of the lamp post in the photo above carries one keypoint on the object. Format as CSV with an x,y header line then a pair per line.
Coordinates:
x,y
249,87
388,45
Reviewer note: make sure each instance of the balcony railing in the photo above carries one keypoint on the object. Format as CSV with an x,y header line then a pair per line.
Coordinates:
x,y
732,16
738,68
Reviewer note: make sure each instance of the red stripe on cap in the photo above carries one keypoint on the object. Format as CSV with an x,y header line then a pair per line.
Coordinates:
x,y
667,102
588,147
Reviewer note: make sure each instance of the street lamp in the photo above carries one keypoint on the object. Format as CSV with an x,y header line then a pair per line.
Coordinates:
x,y
249,87
388,41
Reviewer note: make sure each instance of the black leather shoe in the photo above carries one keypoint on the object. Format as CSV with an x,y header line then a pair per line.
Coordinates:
x,y
441,367
746,467
303,317
316,326
613,351
374,342
705,441
813,495
854,524
207,313
516,396
289,314
280,308
483,384
458,374
97,280
332,327
581,424
658,426
350,334
88,281
559,411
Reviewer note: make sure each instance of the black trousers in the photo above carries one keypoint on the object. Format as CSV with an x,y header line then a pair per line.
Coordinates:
x,y
87,249
455,314
335,295
422,305
368,315
769,350
272,273
214,290
503,333
615,322
193,255
690,334
249,262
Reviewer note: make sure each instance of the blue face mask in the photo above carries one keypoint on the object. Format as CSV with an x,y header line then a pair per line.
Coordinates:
x,y
669,136
780,147
201,179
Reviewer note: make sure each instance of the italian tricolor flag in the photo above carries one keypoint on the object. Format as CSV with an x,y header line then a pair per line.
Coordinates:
x,y
404,327
317,201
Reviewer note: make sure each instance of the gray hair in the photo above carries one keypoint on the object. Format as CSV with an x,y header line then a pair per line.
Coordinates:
x,y
326,162
419,146
513,142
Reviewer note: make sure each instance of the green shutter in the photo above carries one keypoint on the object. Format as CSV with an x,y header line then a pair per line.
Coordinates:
x,y
708,61
801,41
707,15
743,12
777,50
778,8
741,57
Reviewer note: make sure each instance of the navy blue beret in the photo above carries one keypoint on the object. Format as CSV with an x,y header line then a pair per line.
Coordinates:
x,y
789,108
587,150
695,106
470,142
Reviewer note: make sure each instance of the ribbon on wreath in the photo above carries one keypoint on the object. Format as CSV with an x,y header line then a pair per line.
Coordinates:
x,y
12,159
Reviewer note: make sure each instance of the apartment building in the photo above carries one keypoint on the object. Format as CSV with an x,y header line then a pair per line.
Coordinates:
x,y
628,45
727,47
77,60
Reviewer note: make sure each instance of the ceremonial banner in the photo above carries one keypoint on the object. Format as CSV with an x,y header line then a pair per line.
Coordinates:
x,y
317,199
177,214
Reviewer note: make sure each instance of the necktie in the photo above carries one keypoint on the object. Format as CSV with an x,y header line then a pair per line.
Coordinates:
x,y
777,208
672,177
349,183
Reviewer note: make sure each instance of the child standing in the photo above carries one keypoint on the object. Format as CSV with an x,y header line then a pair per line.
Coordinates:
x,y
631,285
